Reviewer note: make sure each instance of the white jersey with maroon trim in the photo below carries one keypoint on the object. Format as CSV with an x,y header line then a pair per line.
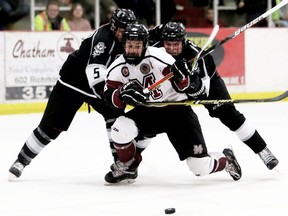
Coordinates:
x,y
154,66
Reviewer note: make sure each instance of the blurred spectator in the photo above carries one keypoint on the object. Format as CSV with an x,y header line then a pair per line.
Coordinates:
x,y
64,2
280,17
89,7
50,19
107,7
209,19
11,11
144,10
253,9
77,20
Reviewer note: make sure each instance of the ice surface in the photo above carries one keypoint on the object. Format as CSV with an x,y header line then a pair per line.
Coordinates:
x,y
67,177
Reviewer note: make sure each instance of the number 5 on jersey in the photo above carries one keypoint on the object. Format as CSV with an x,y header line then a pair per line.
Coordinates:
x,y
95,74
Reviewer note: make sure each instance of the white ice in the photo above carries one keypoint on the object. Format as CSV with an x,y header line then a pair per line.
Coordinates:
x,y
67,177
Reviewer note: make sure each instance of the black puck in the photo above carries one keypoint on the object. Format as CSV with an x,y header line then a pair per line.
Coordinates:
x,y
170,210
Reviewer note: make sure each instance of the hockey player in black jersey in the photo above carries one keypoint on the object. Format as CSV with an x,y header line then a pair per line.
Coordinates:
x,y
81,81
172,37
139,67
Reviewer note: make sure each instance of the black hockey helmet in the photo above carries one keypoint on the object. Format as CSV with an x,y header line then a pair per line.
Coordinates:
x,y
135,31
122,17
173,31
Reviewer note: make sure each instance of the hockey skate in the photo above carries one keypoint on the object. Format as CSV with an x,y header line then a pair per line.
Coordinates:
x,y
120,172
233,168
16,170
268,158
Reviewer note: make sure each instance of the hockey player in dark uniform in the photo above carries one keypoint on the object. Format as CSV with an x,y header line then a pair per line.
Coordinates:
x,y
139,67
81,81
172,37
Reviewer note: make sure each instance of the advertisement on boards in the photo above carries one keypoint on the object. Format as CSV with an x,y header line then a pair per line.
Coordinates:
x,y
229,57
33,61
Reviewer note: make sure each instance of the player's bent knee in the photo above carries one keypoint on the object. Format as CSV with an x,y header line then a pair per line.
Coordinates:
x,y
124,130
200,166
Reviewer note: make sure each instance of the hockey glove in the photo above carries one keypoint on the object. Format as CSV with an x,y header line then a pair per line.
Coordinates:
x,y
132,93
181,69
155,34
196,88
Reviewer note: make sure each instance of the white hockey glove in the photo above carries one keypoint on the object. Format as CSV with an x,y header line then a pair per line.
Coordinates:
x,y
132,93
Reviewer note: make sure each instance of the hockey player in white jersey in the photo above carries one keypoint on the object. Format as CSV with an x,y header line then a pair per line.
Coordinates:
x,y
139,67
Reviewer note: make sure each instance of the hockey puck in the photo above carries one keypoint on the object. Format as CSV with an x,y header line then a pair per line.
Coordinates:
x,y
170,210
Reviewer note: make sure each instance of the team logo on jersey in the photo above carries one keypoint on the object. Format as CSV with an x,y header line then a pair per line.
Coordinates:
x,y
198,149
125,71
145,68
98,49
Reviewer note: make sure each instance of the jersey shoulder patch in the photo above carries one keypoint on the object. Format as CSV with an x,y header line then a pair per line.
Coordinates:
x,y
102,40
98,49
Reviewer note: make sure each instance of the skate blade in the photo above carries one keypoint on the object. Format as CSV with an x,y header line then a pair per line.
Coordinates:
x,y
124,182
276,170
12,177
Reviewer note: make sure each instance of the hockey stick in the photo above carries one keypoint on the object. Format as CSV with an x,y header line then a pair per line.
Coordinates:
x,y
245,27
210,39
228,38
220,101
195,59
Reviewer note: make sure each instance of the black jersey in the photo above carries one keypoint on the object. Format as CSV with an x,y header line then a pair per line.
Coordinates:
x,y
97,51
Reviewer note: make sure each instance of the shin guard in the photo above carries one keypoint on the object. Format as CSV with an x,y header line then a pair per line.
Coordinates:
x,y
125,152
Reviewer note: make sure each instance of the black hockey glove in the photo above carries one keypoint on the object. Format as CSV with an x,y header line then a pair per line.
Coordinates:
x,y
196,88
155,34
181,69
132,93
